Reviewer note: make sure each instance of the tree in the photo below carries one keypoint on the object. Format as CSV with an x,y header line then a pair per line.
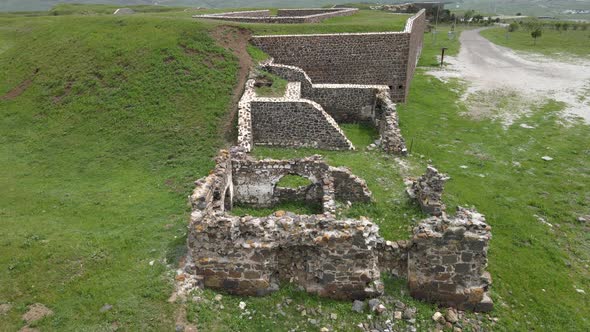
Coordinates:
x,y
513,27
468,15
518,14
565,26
557,26
536,33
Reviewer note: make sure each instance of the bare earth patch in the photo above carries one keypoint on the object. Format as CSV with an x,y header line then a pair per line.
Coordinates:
x,y
36,312
505,85
19,89
235,39
5,308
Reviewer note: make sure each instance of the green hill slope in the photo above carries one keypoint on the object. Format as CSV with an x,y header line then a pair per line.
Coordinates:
x,y
115,121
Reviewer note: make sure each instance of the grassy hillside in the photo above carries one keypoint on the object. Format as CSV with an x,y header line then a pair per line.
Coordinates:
x,y
37,5
552,42
98,154
552,8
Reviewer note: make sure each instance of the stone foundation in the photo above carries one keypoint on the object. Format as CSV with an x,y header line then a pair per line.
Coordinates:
x,y
444,262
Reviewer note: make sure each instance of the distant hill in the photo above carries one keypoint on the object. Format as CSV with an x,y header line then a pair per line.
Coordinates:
x,y
556,8
40,5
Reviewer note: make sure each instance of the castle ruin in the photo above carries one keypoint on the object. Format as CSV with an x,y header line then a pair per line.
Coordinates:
x,y
332,78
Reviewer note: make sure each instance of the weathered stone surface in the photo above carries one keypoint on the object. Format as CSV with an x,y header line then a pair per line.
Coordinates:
x,y
386,58
427,190
5,308
444,262
433,276
358,306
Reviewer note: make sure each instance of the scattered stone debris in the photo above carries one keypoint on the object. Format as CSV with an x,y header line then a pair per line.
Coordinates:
x,y
451,315
106,308
438,317
543,221
584,219
526,126
580,291
36,312
358,306
546,158
242,305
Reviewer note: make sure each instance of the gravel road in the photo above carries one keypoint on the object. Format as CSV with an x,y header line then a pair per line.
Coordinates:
x,y
498,71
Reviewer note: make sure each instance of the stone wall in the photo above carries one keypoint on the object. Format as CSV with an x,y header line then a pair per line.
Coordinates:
x,y
447,261
284,16
386,58
288,121
427,190
346,103
251,256
415,27
295,123
444,261
386,119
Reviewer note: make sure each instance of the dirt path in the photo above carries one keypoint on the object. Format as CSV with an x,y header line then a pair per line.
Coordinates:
x,y
236,40
522,79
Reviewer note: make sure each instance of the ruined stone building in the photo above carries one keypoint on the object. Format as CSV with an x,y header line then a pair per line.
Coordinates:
x,y
332,79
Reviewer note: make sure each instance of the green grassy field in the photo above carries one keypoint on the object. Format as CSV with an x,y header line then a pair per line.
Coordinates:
x,y
552,42
122,114
98,155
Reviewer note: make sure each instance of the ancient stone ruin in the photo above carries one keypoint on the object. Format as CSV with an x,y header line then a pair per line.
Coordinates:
x,y
284,16
428,190
308,114
332,79
444,262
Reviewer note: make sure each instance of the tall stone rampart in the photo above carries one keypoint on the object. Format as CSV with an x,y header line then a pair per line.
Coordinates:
x,y
383,58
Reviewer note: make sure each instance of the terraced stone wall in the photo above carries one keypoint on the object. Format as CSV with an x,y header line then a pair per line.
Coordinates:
x,y
385,58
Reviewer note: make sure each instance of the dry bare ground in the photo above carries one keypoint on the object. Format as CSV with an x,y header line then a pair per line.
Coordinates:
x,y
504,84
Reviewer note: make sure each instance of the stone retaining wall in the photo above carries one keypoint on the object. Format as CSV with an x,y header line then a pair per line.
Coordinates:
x,y
349,103
289,121
386,118
384,58
295,123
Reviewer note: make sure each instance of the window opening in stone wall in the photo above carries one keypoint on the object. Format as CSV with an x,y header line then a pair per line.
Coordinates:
x,y
227,200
